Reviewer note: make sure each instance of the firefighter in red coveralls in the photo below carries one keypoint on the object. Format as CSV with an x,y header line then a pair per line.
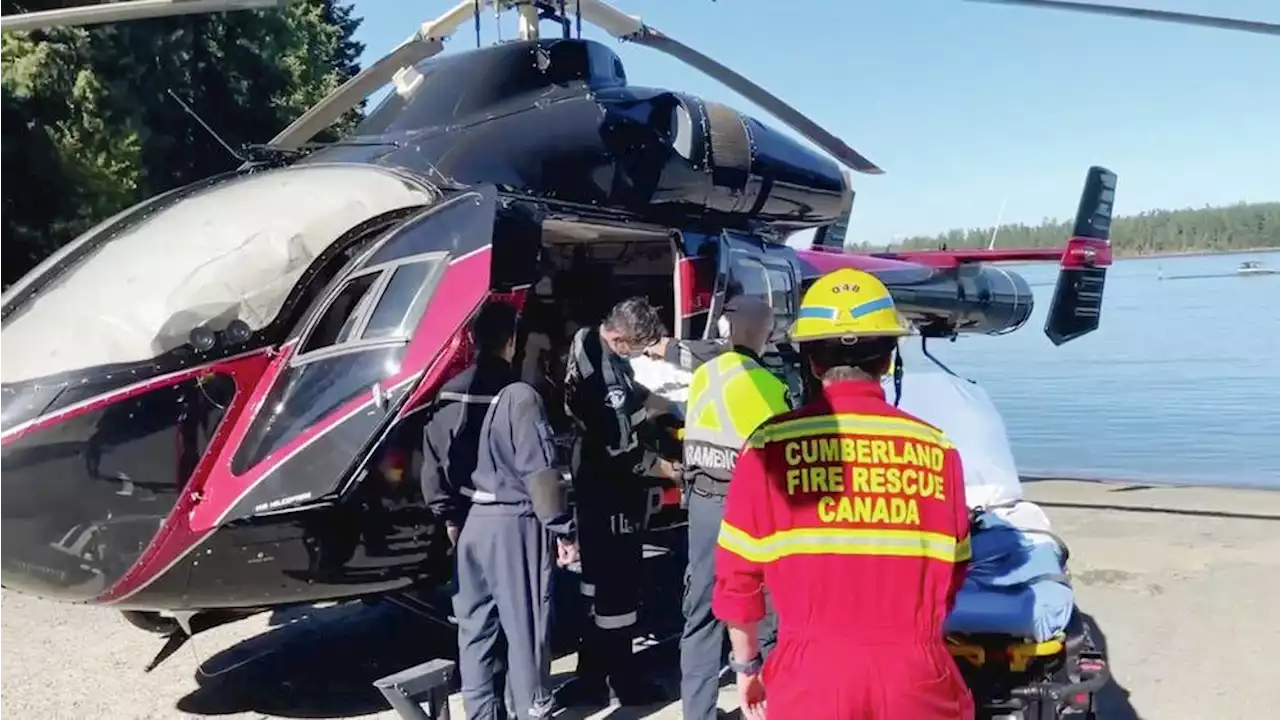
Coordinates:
x,y
852,514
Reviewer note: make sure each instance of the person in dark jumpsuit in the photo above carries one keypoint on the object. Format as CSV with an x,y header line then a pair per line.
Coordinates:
x,y
519,524
609,463
452,433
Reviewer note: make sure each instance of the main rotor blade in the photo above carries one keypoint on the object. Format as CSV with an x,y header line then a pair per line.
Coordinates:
x,y
1145,14
349,94
632,29
127,10
426,43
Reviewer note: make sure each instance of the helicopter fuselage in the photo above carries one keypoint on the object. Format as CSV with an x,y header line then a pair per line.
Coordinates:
x,y
212,400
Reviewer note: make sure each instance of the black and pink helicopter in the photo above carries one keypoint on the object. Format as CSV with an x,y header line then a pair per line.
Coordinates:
x,y
239,434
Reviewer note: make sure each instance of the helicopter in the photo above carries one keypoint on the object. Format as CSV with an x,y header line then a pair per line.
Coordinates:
x,y
239,436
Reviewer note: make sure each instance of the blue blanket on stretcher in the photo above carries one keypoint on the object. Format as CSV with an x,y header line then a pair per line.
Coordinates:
x,y
1016,584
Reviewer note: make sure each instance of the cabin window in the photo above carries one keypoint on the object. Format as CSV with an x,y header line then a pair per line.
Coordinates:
x,y
782,296
749,278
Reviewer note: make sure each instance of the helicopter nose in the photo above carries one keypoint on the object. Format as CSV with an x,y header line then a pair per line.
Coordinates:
x,y
87,488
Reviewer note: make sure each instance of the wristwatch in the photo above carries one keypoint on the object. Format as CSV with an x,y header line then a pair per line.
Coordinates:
x,y
751,667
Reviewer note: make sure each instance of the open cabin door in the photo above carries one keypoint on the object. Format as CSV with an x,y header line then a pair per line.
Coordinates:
x,y
768,271
332,390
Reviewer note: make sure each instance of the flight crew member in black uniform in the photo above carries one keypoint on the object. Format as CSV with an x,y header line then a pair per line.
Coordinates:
x,y
609,463
451,436
519,524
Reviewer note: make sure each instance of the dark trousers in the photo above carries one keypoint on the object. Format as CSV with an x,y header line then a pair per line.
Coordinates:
x,y
609,525
504,571
702,644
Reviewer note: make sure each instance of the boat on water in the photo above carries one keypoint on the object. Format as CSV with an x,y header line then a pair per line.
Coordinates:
x,y
1255,267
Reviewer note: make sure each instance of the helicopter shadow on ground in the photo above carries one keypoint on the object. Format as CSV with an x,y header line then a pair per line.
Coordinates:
x,y
322,662
1112,701
317,662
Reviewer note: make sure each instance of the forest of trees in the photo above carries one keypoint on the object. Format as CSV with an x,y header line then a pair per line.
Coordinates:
x,y
1246,226
90,128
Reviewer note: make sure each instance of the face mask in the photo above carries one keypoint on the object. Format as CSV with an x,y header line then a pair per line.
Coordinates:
x,y
722,327
543,289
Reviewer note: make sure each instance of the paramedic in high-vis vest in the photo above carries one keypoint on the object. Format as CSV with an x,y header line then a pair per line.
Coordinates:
x,y
851,514
729,396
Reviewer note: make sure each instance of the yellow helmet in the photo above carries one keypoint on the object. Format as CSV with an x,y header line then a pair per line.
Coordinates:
x,y
847,303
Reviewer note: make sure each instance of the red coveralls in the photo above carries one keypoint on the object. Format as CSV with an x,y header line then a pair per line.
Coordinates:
x,y
852,514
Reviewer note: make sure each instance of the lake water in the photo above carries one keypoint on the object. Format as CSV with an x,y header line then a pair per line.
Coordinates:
x,y
1181,383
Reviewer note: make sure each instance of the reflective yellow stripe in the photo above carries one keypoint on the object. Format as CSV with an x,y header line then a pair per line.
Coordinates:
x,y
848,424
842,541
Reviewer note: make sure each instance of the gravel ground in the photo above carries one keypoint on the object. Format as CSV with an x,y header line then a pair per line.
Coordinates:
x,y
1172,591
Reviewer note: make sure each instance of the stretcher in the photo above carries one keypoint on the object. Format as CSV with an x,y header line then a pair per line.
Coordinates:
x,y
1015,633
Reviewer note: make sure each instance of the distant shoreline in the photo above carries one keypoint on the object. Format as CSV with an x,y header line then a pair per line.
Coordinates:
x,y
1195,253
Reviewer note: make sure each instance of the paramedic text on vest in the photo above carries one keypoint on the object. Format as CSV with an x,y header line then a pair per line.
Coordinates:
x,y
611,497
520,523
851,514
729,397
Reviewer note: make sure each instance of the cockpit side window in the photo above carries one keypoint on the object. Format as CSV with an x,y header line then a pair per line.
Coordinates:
x,y
380,305
339,319
354,346
357,342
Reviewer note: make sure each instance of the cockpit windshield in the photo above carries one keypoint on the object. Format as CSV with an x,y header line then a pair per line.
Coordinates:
x,y
232,249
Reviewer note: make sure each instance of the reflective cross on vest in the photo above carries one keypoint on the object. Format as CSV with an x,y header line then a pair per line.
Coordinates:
x,y
729,397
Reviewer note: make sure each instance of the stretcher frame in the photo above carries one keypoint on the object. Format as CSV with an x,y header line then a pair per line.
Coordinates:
x,y
1027,680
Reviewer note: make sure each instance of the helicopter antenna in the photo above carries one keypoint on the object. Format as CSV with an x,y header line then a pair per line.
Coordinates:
x,y
1214,21
478,10
578,7
206,127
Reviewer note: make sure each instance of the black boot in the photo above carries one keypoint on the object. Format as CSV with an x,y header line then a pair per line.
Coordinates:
x,y
588,688
630,685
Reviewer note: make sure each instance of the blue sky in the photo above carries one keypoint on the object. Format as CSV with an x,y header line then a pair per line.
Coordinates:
x,y
970,106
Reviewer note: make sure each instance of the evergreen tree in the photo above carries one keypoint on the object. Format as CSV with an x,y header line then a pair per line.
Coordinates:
x,y
1243,226
90,127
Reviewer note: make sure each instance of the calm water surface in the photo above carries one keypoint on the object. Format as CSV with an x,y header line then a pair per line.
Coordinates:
x,y
1180,384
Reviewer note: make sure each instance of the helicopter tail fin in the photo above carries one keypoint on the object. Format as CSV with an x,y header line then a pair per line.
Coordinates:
x,y
1076,308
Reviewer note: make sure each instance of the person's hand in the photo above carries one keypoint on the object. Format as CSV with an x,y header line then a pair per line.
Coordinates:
x,y
751,697
566,552
666,469
453,531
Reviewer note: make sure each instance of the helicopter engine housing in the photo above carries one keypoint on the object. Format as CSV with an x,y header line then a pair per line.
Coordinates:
x,y
556,118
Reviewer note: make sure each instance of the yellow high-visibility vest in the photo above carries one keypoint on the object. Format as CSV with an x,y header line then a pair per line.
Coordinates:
x,y
729,397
